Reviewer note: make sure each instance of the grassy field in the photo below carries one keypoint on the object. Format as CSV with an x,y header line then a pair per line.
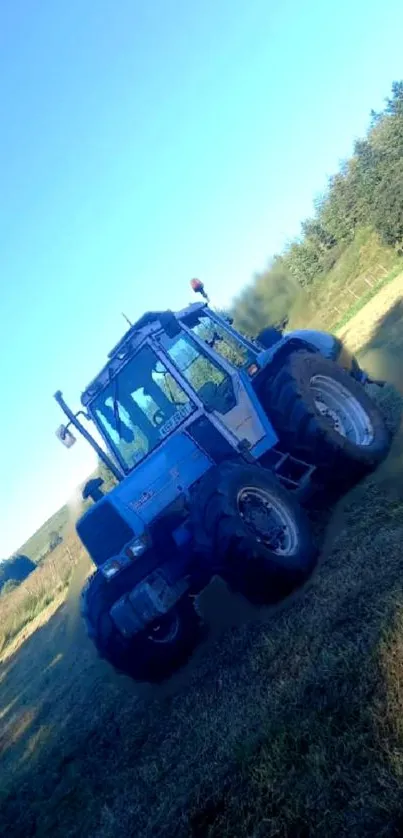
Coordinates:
x,y
45,585
286,724
359,273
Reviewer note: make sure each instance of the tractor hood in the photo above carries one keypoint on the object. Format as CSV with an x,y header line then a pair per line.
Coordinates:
x,y
151,489
157,482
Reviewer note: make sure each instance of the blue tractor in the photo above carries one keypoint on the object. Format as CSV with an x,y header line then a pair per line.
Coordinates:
x,y
215,441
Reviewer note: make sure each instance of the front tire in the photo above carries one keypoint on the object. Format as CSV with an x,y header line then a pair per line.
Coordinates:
x,y
155,653
257,533
322,415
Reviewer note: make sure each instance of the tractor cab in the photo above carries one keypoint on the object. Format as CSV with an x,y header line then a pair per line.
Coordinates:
x,y
168,372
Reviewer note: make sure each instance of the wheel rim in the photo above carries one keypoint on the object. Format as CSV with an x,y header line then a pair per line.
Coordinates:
x,y
342,410
164,629
269,519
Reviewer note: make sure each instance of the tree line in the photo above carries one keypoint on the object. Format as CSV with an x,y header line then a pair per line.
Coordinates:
x,y
367,191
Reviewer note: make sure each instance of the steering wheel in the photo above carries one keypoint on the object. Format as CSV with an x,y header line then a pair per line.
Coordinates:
x,y
159,417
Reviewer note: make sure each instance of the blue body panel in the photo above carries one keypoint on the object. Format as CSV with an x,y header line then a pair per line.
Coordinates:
x,y
325,343
322,342
169,472
270,438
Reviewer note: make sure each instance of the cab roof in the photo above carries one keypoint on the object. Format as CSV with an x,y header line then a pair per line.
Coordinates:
x,y
149,323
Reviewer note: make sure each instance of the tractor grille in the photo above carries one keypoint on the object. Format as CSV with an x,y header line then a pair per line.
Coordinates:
x,y
103,532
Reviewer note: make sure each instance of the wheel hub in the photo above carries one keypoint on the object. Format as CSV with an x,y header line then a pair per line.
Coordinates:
x,y
268,518
164,629
330,414
342,410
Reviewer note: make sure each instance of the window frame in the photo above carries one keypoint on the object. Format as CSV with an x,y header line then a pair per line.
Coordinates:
x,y
173,370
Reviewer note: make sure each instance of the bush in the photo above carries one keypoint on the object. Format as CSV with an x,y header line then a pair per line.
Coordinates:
x,y
17,568
9,586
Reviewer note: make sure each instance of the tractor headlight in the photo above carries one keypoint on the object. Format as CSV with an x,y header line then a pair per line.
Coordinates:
x,y
137,547
113,566
133,551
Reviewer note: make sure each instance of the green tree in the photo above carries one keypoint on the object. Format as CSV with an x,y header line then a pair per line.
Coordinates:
x,y
388,206
268,300
16,568
366,191
249,311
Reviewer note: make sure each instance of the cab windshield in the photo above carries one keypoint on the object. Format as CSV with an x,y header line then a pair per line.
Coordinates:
x,y
221,340
141,405
206,377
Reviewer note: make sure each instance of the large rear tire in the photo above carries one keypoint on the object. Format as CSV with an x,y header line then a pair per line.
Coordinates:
x,y
258,535
150,656
322,415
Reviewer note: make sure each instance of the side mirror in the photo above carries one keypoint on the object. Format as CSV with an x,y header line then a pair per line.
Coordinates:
x,y
65,436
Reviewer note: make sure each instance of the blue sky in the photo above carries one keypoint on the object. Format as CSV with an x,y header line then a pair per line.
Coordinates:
x,y
143,143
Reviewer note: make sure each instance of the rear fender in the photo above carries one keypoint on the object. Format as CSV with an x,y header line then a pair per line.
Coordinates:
x,y
272,359
327,345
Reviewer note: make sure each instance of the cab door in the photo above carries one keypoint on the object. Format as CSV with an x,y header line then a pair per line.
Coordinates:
x,y
224,392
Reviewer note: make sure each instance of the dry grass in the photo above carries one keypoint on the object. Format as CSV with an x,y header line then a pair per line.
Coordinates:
x,y
47,583
286,724
371,328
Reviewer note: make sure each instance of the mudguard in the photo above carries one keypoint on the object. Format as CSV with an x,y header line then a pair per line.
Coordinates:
x,y
328,345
